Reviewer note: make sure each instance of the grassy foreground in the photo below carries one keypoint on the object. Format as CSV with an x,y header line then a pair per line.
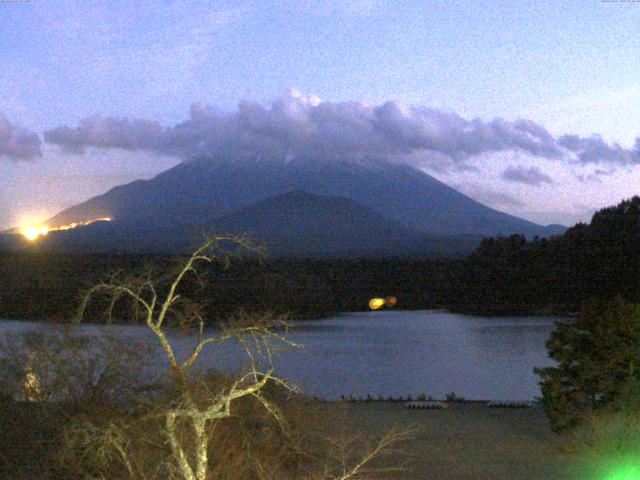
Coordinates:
x,y
468,441
463,442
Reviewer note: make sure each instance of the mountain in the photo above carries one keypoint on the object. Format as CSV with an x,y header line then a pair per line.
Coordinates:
x,y
292,224
305,224
554,229
202,190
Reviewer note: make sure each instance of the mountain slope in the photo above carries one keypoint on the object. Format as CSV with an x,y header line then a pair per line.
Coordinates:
x,y
304,224
201,190
291,224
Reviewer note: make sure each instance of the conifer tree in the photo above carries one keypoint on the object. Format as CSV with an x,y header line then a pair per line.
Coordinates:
x,y
598,357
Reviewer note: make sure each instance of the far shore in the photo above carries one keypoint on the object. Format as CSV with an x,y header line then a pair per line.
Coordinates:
x,y
302,319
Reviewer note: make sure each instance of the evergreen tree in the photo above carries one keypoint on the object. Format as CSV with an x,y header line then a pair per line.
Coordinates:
x,y
598,357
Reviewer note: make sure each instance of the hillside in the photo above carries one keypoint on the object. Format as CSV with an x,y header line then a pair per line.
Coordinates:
x,y
302,224
200,190
513,275
291,224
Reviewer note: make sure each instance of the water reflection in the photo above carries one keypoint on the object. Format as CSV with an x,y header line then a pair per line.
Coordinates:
x,y
396,353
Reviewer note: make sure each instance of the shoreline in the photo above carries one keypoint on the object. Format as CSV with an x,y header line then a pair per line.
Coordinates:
x,y
468,441
470,313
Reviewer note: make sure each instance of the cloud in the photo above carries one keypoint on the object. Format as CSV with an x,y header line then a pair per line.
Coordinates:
x,y
298,125
302,125
596,175
529,176
18,143
595,150
493,198
108,132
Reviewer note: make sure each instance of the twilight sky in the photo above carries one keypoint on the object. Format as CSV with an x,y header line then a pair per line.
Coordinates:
x,y
529,107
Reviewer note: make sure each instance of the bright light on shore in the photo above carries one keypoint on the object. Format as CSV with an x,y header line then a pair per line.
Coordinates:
x,y
376,303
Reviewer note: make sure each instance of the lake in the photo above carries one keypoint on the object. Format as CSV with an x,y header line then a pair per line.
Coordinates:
x,y
395,353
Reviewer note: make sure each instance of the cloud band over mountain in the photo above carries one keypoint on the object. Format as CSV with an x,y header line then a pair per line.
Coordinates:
x,y
299,125
17,143
529,176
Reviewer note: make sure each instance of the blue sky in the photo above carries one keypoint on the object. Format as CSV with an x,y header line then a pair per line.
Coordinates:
x,y
570,67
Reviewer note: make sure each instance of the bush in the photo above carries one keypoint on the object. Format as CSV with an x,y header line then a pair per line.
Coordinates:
x,y
58,364
607,440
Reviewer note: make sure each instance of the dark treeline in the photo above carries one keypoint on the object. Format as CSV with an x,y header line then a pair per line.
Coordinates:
x,y
598,260
507,275
38,285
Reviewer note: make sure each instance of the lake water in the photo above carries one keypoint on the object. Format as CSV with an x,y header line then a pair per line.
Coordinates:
x,y
396,353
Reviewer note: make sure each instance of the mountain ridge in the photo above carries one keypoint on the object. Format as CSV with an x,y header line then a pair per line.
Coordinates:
x,y
207,188
292,224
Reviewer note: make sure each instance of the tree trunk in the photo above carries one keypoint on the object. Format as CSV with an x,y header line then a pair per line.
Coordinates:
x,y
183,463
202,460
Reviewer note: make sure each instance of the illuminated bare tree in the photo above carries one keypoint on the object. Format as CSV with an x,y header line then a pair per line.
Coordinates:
x,y
255,334
195,408
346,458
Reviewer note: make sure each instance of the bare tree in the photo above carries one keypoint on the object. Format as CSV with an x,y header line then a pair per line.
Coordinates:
x,y
348,457
256,335
190,418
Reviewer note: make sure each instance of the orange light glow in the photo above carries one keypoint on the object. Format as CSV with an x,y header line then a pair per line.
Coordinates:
x,y
376,303
390,301
34,232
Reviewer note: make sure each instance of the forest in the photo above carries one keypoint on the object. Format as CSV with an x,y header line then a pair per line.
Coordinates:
x,y
504,276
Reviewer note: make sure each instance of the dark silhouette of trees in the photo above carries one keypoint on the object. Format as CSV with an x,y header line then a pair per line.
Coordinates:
x,y
508,275
504,276
598,357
